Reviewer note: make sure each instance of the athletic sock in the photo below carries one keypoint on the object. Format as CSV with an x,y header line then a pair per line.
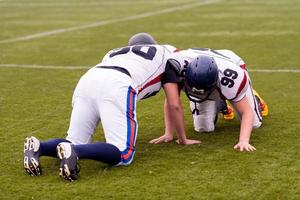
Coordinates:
x,y
48,148
99,151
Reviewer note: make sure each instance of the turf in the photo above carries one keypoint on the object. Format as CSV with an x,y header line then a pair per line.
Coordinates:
x,y
38,101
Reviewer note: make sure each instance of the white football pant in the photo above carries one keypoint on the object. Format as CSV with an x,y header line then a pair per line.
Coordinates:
x,y
108,96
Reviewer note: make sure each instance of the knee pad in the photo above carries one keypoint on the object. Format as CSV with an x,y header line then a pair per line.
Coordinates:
x,y
203,124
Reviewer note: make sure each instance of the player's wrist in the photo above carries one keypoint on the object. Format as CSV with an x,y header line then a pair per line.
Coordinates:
x,y
244,141
168,134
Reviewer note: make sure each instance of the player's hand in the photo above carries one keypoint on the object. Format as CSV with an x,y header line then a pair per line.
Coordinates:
x,y
244,146
162,139
188,142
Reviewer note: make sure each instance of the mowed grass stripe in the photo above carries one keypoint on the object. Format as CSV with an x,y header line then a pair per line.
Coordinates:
x,y
107,22
6,3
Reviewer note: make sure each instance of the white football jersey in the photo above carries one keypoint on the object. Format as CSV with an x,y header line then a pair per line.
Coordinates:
x,y
145,64
233,78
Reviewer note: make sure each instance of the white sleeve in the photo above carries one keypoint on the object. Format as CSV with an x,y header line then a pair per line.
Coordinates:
x,y
175,57
242,89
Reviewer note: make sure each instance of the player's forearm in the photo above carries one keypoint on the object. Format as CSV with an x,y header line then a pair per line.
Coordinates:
x,y
169,125
176,112
246,126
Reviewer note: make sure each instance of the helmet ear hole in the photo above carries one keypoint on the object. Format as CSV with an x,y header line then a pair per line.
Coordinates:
x,y
202,74
140,39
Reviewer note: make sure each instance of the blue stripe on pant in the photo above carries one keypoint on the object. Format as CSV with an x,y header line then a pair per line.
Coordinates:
x,y
128,153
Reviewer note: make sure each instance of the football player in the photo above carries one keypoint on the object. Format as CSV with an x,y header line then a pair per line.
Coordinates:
x,y
108,93
213,77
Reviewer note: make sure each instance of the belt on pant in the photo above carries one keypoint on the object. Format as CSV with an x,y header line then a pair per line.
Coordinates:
x,y
120,69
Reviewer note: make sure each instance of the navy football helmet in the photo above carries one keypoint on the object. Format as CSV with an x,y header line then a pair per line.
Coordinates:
x,y
201,75
141,38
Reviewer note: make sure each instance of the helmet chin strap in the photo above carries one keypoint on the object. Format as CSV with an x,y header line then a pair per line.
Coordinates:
x,y
199,91
198,100
190,95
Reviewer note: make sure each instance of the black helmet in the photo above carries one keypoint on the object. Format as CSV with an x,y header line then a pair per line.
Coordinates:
x,y
202,74
141,38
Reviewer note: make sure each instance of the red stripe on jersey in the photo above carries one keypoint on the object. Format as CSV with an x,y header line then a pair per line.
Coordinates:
x,y
243,66
242,85
152,82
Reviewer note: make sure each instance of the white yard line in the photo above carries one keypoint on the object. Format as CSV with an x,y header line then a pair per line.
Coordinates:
x,y
265,70
106,22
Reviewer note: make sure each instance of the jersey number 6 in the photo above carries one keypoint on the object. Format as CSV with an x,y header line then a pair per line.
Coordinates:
x,y
149,55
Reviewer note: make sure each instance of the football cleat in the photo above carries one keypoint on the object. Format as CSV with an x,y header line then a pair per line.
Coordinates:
x,y
262,104
228,114
31,156
69,168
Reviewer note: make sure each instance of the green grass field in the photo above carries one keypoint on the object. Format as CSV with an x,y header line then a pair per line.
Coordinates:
x,y
35,97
